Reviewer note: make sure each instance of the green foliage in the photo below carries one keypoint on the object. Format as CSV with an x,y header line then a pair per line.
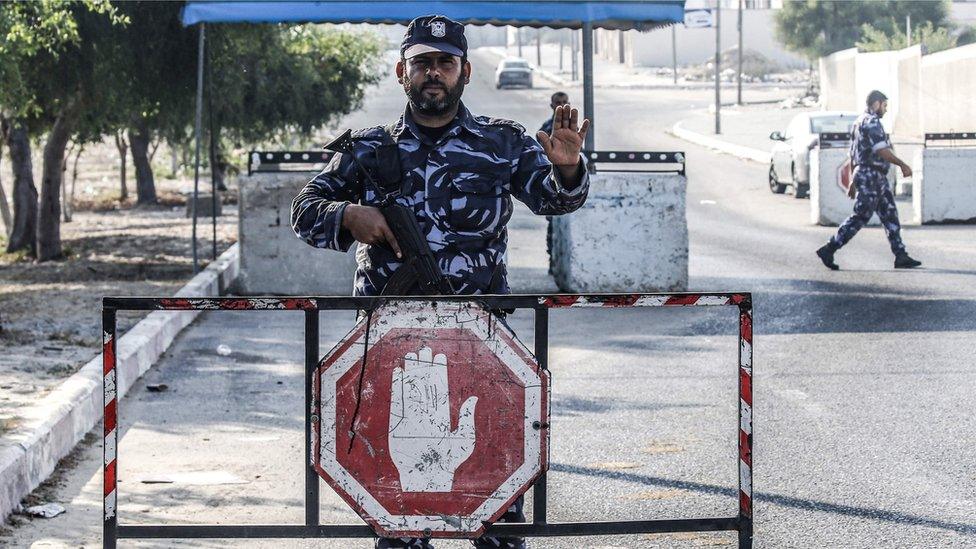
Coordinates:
x,y
815,28
39,34
271,82
931,38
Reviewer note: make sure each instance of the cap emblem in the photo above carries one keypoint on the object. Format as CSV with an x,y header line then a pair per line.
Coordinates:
x,y
438,29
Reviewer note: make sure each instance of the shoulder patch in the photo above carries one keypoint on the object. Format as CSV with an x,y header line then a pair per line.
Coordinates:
x,y
501,122
374,132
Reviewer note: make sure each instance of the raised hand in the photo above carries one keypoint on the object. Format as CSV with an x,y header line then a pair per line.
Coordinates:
x,y
563,145
424,449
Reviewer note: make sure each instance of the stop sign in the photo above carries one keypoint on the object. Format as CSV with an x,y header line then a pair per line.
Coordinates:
x,y
432,418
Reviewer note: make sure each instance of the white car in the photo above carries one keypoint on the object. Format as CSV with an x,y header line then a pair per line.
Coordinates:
x,y
513,71
790,163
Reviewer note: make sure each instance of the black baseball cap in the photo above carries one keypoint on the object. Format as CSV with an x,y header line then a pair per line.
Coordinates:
x,y
434,33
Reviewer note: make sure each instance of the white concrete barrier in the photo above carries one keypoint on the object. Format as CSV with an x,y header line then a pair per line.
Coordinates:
x,y
273,260
630,236
829,204
944,189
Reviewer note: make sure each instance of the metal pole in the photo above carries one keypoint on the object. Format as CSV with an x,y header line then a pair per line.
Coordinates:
x,y
588,111
538,47
110,465
718,69
561,40
214,165
196,136
674,52
311,363
908,30
738,75
574,59
539,497
518,39
620,46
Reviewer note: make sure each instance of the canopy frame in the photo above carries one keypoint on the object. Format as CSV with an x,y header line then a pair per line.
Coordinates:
x,y
572,14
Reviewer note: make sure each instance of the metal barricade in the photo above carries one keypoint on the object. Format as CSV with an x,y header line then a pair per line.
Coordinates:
x,y
538,527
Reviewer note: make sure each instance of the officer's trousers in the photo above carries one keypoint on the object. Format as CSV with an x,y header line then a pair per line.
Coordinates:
x,y
873,196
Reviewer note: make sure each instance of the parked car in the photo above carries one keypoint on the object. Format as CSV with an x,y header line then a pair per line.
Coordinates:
x,y
790,162
513,71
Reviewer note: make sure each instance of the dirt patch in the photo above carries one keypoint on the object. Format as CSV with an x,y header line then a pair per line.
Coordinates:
x,y
50,313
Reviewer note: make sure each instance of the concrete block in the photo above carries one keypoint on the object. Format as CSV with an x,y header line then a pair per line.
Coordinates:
x,y
829,204
630,236
273,260
204,206
944,190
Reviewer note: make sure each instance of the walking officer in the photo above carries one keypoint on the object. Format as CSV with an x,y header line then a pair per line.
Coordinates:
x,y
871,157
455,172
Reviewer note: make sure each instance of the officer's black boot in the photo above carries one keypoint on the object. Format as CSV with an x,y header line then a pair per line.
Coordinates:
x,y
904,261
826,254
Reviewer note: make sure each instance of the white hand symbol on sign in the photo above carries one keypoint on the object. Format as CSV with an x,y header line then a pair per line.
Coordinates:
x,y
424,449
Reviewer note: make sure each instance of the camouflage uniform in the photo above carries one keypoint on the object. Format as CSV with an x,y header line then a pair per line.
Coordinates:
x,y
871,181
460,188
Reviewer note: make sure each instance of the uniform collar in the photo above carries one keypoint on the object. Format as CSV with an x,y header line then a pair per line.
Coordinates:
x,y
463,119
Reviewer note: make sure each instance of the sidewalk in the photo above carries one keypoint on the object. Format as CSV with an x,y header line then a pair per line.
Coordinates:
x,y
608,74
745,130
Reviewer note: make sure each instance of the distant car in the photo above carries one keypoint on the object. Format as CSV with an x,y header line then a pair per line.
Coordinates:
x,y
790,163
513,71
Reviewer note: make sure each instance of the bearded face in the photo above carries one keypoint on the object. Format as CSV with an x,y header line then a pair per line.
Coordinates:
x,y
433,83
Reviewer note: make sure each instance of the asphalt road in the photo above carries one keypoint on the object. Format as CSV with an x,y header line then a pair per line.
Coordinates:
x,y
863,381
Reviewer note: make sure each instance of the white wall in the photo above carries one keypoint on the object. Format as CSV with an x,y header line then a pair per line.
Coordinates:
x,y
695,46
837,80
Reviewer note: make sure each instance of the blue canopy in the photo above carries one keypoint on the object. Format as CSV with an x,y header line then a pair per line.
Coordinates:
x,y
537,13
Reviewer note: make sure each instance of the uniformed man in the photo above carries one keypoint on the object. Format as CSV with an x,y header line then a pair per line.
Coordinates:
x,y
558,99
871,156
459,174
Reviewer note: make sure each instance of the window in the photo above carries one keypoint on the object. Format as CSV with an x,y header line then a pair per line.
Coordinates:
x,y
832,124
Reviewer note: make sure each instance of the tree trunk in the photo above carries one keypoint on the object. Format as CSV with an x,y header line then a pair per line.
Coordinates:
x,y
174,162
65,203
25,193
8,222
218,166
74,176
49,214
123,148
139,141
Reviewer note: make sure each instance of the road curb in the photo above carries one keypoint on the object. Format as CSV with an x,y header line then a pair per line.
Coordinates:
x,y
740,151
58,421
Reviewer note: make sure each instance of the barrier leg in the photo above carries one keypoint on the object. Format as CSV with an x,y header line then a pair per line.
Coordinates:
x,y
110,525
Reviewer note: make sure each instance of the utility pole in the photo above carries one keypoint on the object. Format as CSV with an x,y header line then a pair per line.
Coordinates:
x,y
718,67
561,40
538,47
908,30
620,47
674,53
518,39
738,99
574,61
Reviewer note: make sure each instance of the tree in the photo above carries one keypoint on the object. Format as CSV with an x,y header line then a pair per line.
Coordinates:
x,y
155,56
70,87
815,28
26,30
931,38
270,83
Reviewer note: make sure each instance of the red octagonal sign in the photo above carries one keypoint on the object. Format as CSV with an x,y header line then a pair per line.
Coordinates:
x,y
433,419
